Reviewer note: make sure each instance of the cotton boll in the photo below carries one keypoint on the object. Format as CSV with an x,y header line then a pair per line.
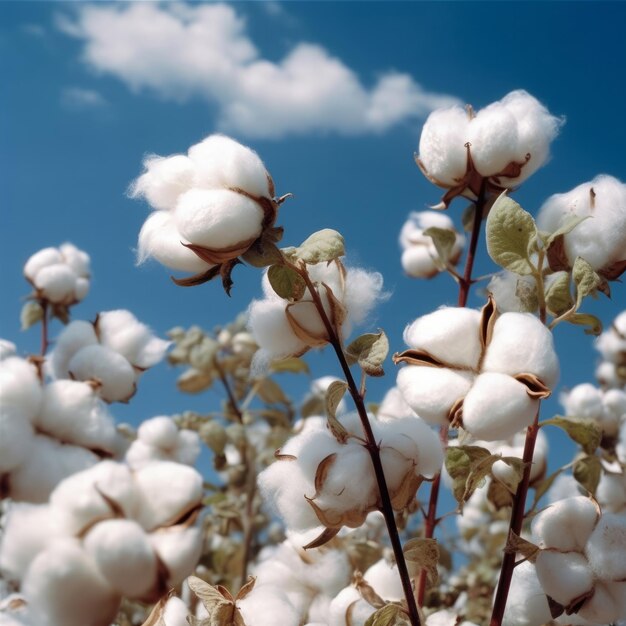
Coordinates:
x,y
306,316
522,344
526,604
264,604
77,260
179,549
64,584
431,391
606,548
111,369
48,464
349,609
84,497
564,576
75,336
449,334
271,329
417,222
611,492
164,180
159,238
607,375
394,406
41,259
218,218
566,525
583,400
189,447
385,580
419,262
56,283
607,605
319,611
363,290
614,405
175,613
73,413
612,342
319,387
16,438
20,387
165,492
160,432
223,162
497,406
442,145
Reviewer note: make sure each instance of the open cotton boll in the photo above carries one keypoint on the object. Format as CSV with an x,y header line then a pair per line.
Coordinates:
x,y
606,209
115,374
165,492
159,238
122,332
431,392
607,605
72,412
27,530
164,180
16,438
385,580
614,404
583,400
84,497
56,283
41,259
442,145
266,604
450,334
348,608
612,342
607,376
393,407
175,613
503,287
606,547
223,162
189,447
218,218
48,463
75,336
124,556
522,344
76,259
20,387
564,576
526,604
419,262
362,291
417,222
64,584
179,549
611,492
566,525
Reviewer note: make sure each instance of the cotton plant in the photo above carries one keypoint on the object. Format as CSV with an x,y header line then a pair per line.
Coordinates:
x,y
611,344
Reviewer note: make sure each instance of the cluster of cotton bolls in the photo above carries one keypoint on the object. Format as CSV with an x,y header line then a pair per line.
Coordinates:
x,y
112,353
283,328
420,258
110,532
581,565
612,346
59,275
313,481
48,432
505,143
218,197
481,371
603,202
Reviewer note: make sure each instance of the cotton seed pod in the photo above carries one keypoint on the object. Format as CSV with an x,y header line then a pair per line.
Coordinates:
x,y
166,492
606,547
564,576
64,584
603,200
47,465
115,374
566,525
124,556
179,549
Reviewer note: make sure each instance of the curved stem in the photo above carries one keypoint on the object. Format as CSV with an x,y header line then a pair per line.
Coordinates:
x,y
372,448
517,519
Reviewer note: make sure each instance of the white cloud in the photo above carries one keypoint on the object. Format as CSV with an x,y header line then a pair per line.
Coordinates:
x,y
79,98
185,51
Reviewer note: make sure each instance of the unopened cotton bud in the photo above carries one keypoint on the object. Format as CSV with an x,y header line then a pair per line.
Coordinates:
x,y
64,584
564,576
603,202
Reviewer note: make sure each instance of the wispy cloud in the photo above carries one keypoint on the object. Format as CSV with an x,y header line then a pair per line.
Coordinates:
x,y
182,51
77,98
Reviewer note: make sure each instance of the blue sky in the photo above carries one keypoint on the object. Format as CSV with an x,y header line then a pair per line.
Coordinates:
x,y
90,89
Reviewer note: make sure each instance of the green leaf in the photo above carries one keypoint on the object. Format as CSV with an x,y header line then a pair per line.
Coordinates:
x,y
586,319
510,230
286,282
324,245
369,351
558,296
334,394
31,314
585,279
390,615
459,463
584,432
567,227
587,471
443,240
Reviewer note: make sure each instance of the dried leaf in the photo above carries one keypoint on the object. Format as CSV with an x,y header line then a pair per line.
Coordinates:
x,y
369,351
586,280
324,245
424,554
32,312
334,394
587,471
584,432
286,282
515,544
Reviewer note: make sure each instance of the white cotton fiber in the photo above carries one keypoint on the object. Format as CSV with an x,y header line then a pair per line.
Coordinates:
x,y
363,290
122,332
164,180
503,287
56,282
526,604
349,609
564,575
20,387
611,492
584,401
64,584
606,548
179,550
7,349
394,406
175,613
16,438
522,344
222,162
159,238
123,555
189,447
449,334
47,465
73,337
76,259
218,218
160,432
264,604
39,260
115,374
418,262
607,605
385,580
432,391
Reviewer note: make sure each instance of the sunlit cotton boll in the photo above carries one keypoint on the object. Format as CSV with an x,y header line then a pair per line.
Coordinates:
x,y
526,604
603,202
564,576
267,603
419,257
178,549
612,342
348,608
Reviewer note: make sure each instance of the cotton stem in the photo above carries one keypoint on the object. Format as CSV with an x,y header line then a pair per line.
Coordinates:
x,y
229,392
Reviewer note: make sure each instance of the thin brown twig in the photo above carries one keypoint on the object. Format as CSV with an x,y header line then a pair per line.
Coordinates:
x,y
229,392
